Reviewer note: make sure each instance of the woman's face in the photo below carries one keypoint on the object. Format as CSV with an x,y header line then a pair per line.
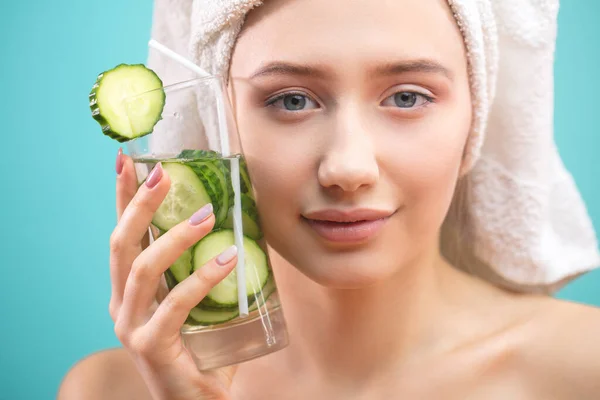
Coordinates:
x,y
353,117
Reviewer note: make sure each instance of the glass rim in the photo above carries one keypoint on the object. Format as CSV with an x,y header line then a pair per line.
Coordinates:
x,y
178,86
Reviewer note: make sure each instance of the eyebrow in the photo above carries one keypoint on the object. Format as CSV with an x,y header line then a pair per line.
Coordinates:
x,y
284,68
279,68
422,66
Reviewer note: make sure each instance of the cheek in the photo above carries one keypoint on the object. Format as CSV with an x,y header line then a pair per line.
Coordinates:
x,y
425,169
280,163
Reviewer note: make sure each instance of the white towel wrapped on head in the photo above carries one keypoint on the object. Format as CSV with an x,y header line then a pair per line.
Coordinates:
x,y
524,224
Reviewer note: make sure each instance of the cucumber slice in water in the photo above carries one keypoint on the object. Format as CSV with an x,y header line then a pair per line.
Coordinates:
x,y
182,267
245,185
198,154
267,291
186,195
211,182
121,121
201,155
249,218
215,179
257,271
200,316
224,181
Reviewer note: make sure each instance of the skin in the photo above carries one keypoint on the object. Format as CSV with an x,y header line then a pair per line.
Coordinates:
x,y
386,317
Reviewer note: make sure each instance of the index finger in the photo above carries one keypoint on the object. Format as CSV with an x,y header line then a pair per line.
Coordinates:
x,y
126,182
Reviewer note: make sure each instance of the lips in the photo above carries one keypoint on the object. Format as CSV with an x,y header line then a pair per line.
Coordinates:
x,y
349,226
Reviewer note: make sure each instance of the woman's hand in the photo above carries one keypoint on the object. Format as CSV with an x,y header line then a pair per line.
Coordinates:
x,y
150,331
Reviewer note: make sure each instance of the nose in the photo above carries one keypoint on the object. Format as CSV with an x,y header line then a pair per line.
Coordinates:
x,y
350,162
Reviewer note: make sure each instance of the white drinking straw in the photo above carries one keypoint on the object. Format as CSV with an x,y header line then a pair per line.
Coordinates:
x,y
178,58
235,175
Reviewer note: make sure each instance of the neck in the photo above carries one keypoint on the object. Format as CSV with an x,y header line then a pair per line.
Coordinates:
x,y
356,334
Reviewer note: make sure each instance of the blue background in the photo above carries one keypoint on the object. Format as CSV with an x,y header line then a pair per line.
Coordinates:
x,y
58,211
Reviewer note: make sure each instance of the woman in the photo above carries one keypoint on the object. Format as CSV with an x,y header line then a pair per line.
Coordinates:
x,y
370,109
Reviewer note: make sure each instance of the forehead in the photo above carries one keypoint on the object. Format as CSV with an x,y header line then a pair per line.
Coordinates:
x,y
349,32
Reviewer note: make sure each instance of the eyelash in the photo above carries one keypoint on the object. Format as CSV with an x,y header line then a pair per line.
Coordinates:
x,y
283,95
426,99
271,101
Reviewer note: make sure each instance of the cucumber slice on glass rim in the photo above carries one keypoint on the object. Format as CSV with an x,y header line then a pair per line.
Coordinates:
x,y
121,121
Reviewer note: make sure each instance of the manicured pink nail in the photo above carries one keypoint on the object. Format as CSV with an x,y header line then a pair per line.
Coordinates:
x,y
201,214
154,176
119,163
227,255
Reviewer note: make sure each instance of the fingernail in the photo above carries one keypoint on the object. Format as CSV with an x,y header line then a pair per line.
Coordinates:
x,y
154,176
227,255
119,163
201,214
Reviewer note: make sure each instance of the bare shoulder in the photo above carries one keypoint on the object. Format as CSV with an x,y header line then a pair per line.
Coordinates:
x,y
561,351
107,374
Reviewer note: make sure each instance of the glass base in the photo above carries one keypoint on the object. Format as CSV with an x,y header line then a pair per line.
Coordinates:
x,y
244,340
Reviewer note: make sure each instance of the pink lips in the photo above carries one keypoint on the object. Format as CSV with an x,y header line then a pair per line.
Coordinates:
x,y
347,226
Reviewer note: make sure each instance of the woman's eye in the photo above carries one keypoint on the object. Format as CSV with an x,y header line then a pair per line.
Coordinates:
x,y
406,100
293,102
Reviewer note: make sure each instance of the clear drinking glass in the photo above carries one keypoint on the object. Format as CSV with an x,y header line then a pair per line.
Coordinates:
x,y
197,142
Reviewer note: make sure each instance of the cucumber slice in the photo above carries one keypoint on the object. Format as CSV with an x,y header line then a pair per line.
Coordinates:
x,y
226,200
257,270
186,195
267,291
201,155
198,154
210,305
200,316
250,220
211,183
121,121
182,267
215,179
245,184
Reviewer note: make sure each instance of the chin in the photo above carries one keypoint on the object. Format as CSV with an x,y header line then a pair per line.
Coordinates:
x,y
345,270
